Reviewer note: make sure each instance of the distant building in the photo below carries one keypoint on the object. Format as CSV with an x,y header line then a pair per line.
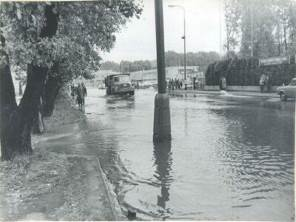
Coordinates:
x,y
149,77
274,61
173,72
100,76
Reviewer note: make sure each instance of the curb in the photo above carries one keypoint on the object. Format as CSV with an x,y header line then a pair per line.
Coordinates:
x,y
117,213
113,202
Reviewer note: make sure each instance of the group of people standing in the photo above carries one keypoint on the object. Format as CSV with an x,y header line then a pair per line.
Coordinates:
x,y
175,84
265,83
78,94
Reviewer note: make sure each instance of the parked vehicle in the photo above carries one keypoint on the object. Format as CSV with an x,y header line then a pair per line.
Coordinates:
x,y
288,91
119,84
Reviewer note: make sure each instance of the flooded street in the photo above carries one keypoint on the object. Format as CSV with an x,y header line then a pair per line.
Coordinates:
x,y
229,159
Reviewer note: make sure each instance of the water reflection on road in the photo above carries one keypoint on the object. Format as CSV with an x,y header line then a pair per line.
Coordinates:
x,y
228,160
163,162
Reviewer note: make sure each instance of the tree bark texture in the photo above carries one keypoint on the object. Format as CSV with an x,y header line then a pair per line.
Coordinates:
x,y
17,121
51,90
47,100
20,88
8,107
38,124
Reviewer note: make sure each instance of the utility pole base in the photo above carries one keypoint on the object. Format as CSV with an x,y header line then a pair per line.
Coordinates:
x,y
162,118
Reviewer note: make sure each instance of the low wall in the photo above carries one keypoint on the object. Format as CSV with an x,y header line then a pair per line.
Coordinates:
x,y
211,88
239,88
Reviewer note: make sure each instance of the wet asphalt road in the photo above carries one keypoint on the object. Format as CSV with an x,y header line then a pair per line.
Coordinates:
x,y
230,158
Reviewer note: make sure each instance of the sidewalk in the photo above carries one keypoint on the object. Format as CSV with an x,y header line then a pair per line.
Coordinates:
x,y
229,93
267,100
62,180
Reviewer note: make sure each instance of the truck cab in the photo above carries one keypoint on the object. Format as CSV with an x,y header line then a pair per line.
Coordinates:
x,y
119,84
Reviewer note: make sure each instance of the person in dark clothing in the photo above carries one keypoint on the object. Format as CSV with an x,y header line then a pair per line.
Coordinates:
x,y
81,93
73,91
269,83
262,82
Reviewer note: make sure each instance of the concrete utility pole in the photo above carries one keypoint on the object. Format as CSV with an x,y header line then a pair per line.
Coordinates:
x,y
252,28
220,26
162,119
183,37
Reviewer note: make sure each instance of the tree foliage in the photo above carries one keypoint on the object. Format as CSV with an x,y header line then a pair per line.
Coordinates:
x,y
83,30
266,27
247,72
138,65
201,59
109,65
232,23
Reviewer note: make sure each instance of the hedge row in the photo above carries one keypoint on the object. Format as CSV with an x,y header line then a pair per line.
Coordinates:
x,y
247,72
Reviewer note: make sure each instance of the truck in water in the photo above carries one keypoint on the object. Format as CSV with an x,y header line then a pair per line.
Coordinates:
x,y
119,84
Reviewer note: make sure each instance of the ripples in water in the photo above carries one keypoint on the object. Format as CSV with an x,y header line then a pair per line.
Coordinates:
x,y
227,160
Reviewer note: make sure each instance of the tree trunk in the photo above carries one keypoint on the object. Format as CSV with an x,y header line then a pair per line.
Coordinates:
x,y
38,124
17,134
20,88
17,121
47,101
48,30
8,107
51,90
285,39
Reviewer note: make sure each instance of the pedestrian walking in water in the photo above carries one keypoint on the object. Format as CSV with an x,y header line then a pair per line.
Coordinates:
x,y
73,91
262,82
223,83
269,83
81,93
175,86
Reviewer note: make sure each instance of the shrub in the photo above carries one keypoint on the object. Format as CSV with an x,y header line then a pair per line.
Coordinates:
x,y
247,72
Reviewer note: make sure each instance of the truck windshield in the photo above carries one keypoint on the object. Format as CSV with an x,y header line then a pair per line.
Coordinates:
x,y
121,78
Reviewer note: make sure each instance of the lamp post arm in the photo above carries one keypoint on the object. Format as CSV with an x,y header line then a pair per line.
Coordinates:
x,y
184,42
184,35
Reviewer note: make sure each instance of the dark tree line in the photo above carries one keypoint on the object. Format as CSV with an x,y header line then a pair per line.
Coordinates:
x,y
202,59
247,72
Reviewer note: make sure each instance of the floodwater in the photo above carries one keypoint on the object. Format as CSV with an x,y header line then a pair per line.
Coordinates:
x,y
229,158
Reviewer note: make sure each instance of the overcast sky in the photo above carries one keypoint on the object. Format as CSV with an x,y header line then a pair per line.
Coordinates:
x,y
136,41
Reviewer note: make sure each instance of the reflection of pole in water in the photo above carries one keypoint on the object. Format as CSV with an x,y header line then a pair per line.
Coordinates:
x,y
186,121
163,162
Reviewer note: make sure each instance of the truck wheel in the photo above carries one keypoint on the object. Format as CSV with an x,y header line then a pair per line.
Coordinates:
x,y
283,97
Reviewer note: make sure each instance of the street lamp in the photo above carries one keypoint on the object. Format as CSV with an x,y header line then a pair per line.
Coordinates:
x,y
183,37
